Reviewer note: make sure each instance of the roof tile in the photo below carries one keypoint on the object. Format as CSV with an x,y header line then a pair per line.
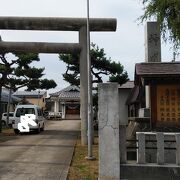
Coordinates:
x,y
68,92
165,68
29,93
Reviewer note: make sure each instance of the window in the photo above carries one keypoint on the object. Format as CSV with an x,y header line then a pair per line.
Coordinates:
x,y
39,112
11,114
23,111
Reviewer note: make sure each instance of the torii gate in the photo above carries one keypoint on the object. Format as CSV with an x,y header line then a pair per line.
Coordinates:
x,y
59,24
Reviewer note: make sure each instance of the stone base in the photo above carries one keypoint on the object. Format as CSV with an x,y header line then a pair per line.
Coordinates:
x,y
150,172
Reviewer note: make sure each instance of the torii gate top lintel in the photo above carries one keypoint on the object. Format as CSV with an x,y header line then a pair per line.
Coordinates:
x,y
56,23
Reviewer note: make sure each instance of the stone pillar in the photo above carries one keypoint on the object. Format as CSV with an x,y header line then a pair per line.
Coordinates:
x,y
177,137
152,42
141,155
55,106
123,118
83,84
160,147
147,91
152,50
63,110
108,116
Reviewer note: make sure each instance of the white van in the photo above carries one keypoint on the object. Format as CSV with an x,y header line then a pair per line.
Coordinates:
x,y
22,110
4,119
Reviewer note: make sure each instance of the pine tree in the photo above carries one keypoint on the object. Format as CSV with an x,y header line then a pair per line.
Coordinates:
x,y
100,66
18,73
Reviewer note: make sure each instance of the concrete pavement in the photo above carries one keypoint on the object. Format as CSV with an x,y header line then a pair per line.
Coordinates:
x,y
43,156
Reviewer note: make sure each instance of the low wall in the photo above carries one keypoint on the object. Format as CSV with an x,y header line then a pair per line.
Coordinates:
x,y
149,172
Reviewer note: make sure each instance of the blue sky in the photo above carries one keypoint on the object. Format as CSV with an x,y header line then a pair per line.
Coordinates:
x,y
125,45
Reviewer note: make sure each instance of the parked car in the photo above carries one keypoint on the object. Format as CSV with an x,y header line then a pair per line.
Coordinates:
x,y
22,110
45,114
4,119
54,115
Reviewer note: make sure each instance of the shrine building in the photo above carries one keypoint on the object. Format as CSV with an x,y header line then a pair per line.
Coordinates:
x,y
159,91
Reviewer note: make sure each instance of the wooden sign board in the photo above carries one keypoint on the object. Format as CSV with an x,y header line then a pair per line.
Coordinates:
x,y
168,103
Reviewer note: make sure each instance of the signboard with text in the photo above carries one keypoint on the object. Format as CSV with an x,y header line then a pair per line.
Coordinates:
x,y
168,103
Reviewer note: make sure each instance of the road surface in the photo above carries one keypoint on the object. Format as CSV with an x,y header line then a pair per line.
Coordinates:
x,y
43,156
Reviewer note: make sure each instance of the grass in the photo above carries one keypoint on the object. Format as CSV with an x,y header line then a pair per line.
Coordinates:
x,y
7,134
81,168
8,131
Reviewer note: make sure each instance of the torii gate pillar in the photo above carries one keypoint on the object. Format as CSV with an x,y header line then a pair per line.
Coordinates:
x,y
83,84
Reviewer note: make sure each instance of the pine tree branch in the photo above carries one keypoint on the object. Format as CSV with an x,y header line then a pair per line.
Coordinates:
x,y
13,62
99,79
25,84
102,72
3,59
67,69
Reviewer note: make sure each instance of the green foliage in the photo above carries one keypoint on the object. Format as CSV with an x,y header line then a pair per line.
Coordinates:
x,y
120,78
167,14
46,84
18,73
72,73
72,79
29,72
26,58
100,65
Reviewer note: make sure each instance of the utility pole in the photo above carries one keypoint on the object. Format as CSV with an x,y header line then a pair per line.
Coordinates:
x,y
38,96
90,156
8,105
174,56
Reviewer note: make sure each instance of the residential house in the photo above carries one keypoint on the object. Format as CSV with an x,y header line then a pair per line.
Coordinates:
x,y
13,100
124,91
33,97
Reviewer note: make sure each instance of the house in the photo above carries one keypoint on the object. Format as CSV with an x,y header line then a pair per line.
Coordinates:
x,y
66,102
13,100
33,97
124,91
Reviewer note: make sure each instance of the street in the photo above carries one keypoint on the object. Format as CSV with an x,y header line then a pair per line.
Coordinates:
x,y
43,156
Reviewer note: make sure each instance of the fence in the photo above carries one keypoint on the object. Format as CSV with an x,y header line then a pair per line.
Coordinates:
x,y
160,146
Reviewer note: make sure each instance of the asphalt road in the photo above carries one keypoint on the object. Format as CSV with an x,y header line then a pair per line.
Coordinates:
x,y
43,156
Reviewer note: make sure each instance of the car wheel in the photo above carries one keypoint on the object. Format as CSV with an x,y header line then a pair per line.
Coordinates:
x,y
38,130
16,131
10,125
42,129
3,123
